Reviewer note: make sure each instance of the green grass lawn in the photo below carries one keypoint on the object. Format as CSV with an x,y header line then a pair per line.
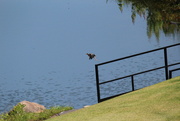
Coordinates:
x,y
17,114
159,102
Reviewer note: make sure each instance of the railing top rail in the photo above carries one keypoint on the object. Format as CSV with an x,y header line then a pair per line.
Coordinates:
x,y
136,54
139,73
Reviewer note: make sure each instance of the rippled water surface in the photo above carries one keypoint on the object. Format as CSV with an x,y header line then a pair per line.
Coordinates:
x,y
43,46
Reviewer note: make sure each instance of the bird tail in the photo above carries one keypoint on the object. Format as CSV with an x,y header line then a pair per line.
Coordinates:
x,y
95,59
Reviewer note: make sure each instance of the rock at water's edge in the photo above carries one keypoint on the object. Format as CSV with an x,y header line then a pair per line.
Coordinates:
x,y
32,107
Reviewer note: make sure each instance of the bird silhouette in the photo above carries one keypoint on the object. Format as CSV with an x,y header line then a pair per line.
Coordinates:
x,y
91,56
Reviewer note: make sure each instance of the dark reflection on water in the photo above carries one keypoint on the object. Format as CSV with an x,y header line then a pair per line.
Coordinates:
x,y
161,16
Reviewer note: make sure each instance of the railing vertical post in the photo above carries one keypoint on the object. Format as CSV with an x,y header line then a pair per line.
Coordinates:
x,y
97,83
170,74
166,63
132,81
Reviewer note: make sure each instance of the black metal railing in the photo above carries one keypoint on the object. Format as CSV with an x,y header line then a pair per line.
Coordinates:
x,y
168,74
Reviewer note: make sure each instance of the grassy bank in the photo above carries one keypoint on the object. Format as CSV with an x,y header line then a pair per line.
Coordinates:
x,y
17,114
158,102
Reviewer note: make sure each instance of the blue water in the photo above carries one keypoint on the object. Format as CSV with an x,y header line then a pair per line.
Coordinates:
x,y
43,46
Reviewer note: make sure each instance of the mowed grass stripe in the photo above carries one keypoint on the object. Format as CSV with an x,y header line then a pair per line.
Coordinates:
x,y
159,102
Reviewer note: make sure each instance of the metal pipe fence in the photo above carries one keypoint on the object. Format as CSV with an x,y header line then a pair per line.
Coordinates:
x,y
168,73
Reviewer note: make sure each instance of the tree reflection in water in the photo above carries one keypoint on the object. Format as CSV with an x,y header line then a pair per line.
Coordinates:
x,y
161,15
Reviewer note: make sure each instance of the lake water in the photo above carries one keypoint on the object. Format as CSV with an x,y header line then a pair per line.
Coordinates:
x,y
43,46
